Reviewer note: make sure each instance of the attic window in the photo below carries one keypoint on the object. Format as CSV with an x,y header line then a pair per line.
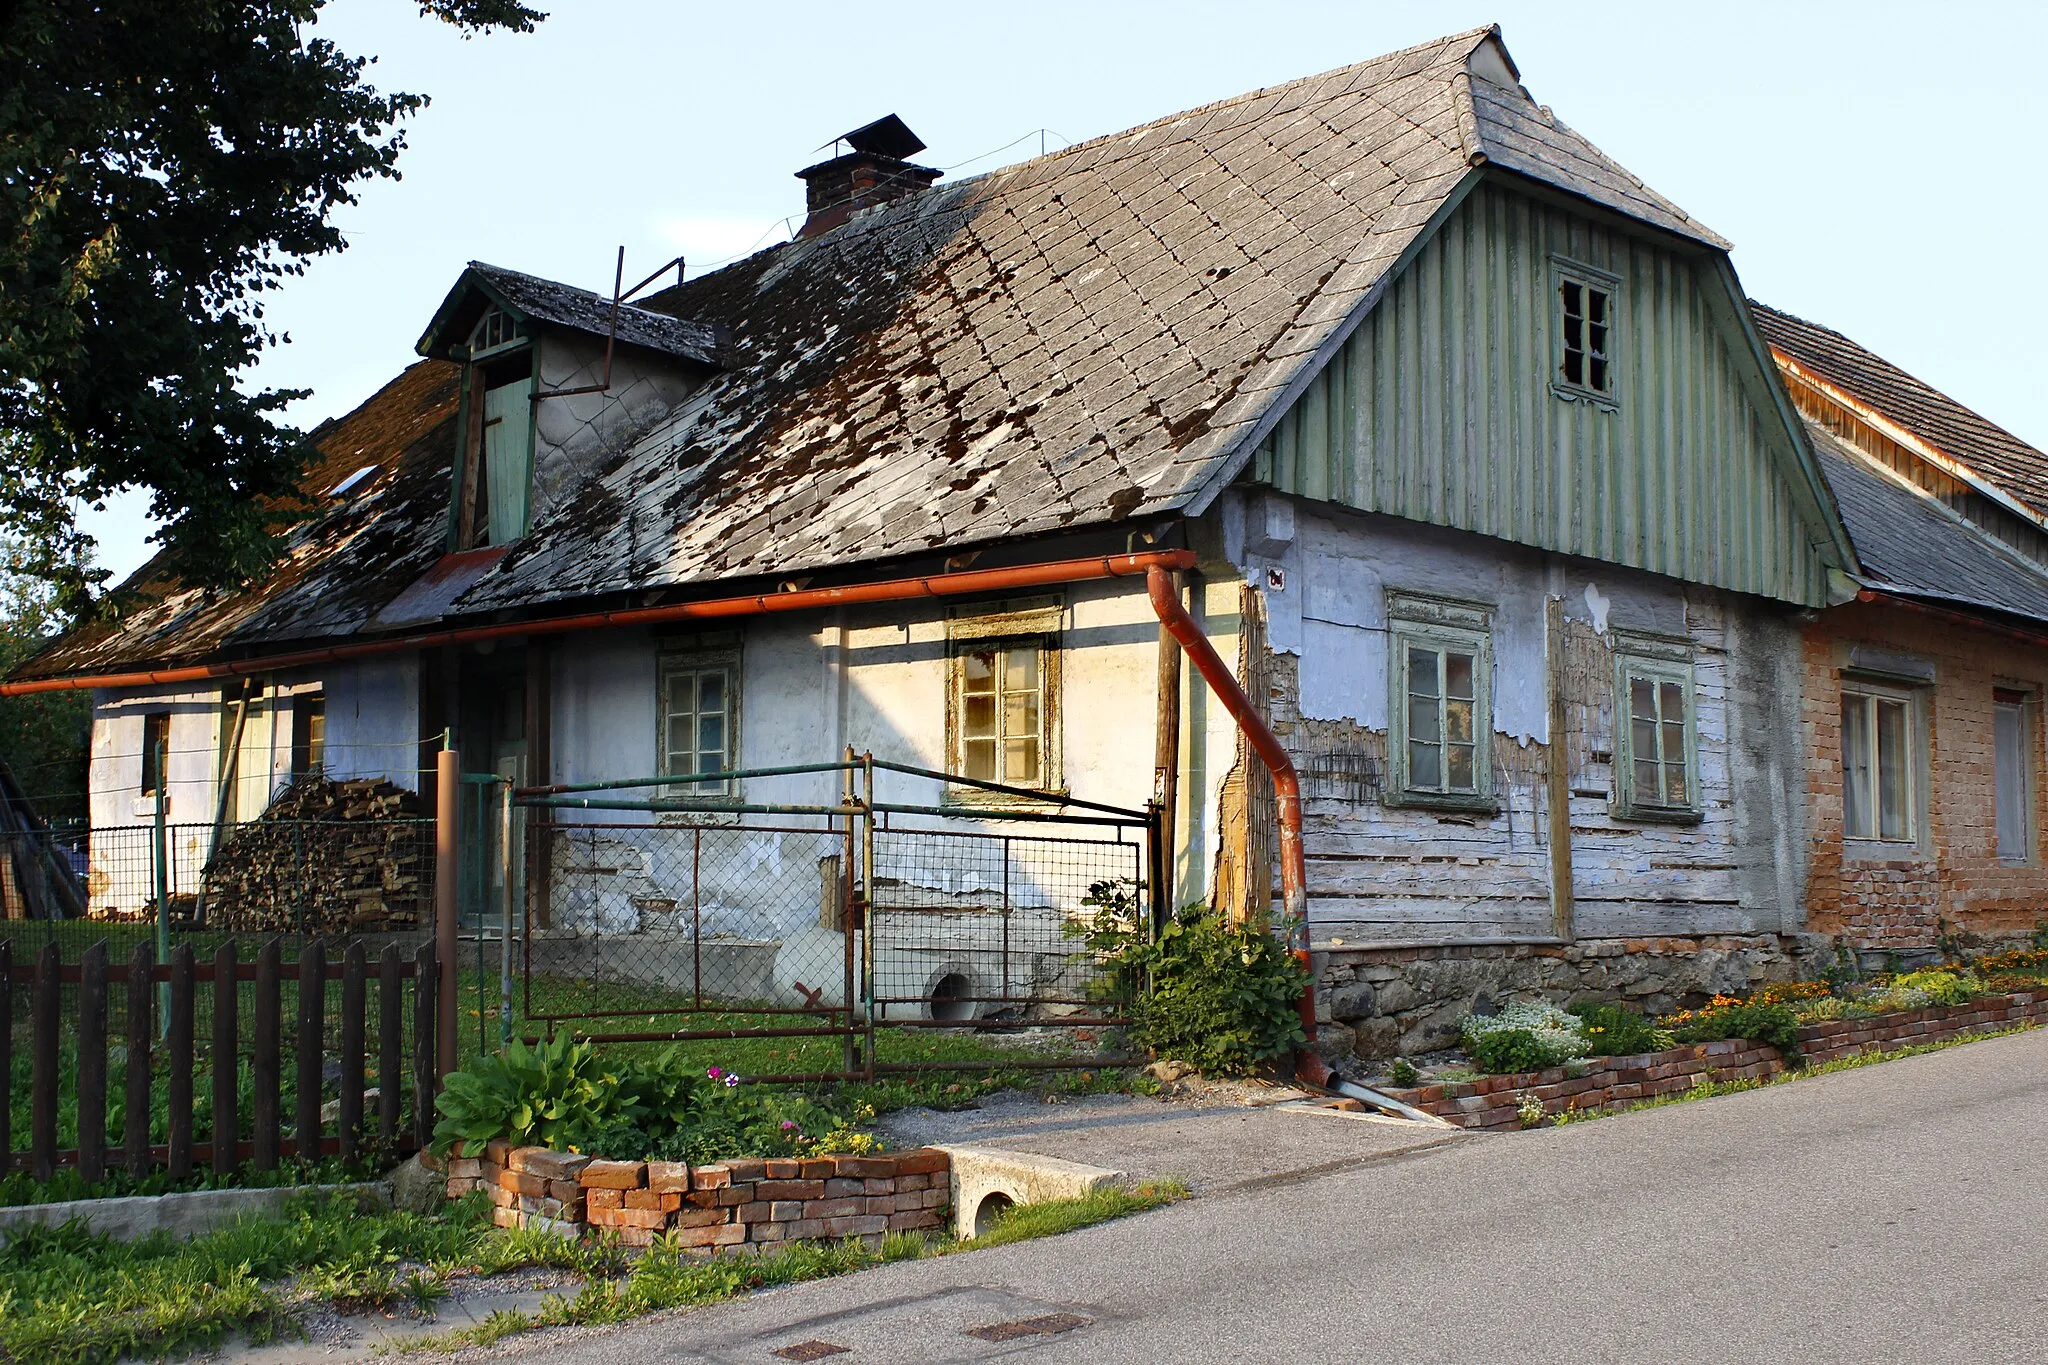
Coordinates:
x,y
494,329
1586,311
352,482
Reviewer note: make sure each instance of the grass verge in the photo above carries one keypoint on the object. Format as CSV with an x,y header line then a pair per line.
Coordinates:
x,y
72,1298
1707,1090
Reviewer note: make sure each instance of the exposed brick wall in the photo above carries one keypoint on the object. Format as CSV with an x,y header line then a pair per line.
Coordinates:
x,y
706,1208
1494,1102
1956,875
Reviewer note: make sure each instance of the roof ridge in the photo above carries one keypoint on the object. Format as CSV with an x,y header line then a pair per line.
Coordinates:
x,y
1476,35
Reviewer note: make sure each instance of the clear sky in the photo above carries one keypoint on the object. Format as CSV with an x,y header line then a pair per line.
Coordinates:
x,y
1871,162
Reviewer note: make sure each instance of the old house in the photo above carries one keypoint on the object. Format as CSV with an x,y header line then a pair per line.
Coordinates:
x,y
1923,696
1463,443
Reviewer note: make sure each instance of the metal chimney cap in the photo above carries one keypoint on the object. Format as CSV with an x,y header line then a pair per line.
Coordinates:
x,y
886,136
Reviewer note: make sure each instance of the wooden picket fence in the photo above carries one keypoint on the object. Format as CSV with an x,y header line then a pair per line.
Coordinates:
x,y
159,1021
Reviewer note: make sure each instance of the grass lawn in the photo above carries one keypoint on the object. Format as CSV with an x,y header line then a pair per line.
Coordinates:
x,y
66,1296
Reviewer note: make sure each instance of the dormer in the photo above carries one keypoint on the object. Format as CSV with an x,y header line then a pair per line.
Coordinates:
x,y
554,377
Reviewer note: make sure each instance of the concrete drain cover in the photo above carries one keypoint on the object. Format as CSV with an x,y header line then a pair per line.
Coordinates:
x,y
960,1324
1049,1325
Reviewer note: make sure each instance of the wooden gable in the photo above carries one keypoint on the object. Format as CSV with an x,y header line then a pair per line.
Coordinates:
x,y
1447,405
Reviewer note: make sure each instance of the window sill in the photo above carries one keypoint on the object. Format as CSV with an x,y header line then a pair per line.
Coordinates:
x,y
975,798
1884,851
1486,804
1603,402
1657,815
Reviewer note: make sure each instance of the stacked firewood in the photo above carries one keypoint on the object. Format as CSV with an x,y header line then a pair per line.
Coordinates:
x,y
326,858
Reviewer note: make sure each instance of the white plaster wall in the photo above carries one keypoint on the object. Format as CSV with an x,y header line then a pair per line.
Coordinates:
x,y
373,727
573,434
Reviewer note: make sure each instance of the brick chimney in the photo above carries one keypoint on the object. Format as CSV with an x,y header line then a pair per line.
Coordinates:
x,y
874,171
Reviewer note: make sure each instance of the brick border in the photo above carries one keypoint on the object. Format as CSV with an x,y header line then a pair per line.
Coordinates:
x,y
1493,1102
708,1208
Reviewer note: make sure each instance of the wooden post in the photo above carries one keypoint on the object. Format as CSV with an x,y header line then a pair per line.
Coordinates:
x,y
447,873
312,1045
135,1089
179,1041
425,1052
1166,767
390,1048
1557,771
42,1093
263,1117
354,1004
160,855
92,1064
226,1060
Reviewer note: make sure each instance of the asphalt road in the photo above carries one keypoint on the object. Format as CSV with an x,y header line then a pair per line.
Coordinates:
x,y
1892,1213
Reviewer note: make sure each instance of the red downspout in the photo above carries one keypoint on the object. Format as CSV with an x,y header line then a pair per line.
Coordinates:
x,y
964,583
1167,606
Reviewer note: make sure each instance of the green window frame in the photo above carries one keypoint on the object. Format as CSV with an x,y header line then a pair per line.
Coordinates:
x,y
700,720
1440,702
1587,305
1656,729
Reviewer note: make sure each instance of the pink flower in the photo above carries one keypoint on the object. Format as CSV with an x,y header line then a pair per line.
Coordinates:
x,y
714,1073
788,1124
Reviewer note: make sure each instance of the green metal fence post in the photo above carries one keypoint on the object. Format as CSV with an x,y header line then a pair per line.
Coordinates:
x,y
160,855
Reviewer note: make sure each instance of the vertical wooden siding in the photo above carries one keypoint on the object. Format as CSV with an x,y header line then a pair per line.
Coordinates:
x,y
1439,409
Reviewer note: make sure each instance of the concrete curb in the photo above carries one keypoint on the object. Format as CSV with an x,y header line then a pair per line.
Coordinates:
x,y
987,1180
131,1217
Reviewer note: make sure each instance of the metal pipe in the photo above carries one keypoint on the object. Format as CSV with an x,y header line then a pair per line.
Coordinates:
x,y
672,780
1187,632
956,780
965,583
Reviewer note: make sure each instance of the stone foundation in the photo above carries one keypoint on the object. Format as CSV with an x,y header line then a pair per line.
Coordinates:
x,y
723,1204
1389,1002
1494,1102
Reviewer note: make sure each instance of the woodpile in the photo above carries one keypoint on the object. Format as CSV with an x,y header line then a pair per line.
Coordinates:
x,y
326,858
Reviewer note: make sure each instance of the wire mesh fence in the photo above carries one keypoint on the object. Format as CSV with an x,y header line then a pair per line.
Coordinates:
x,y
692,916
983,927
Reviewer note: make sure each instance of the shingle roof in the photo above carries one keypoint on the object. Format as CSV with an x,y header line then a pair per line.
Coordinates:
x,y
1085,337
1966,437
335,570
1080,339
567,306
1910,543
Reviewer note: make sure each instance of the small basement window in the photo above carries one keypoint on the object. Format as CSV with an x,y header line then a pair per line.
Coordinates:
x,y
1585,332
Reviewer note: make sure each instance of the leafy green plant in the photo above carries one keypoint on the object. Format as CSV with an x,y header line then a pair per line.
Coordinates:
x,y
1937,986
1403,1073
552,1094
1526,1036
1613,1030
1765,1023
1223,998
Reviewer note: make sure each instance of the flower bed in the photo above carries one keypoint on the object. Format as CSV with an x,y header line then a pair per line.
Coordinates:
x,y
1496,1102
718,1205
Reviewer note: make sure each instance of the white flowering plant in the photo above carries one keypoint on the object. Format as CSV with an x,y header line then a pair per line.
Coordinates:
x,y
1528,1035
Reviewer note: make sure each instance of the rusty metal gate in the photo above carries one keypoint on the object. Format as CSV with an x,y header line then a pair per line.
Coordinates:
x,y
875,903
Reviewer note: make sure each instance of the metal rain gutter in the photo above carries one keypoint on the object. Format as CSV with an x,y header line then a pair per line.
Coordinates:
x,y
1309,1067
965,583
